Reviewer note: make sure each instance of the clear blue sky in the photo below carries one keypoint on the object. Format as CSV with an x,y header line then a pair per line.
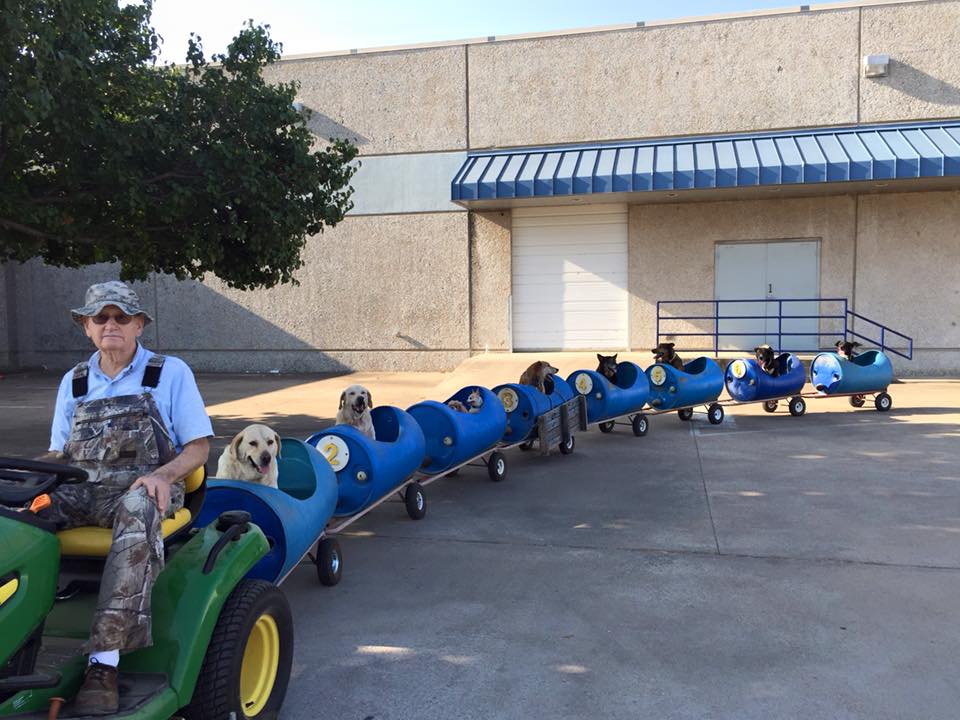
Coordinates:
x,y
305,26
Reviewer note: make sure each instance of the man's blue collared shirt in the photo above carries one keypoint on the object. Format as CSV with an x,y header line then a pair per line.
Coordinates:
x,y
176,396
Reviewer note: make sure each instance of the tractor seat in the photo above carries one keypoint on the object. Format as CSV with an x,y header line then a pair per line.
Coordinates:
x,y
92,541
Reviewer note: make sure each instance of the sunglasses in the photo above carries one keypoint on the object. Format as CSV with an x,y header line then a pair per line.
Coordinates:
x,y
118,318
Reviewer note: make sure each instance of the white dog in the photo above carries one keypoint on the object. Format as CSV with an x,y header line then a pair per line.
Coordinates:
x,y
251,456
355,404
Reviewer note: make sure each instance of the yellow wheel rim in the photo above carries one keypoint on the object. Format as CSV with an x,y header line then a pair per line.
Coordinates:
x,y
261,658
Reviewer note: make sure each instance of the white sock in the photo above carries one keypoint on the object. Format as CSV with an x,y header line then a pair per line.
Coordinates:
x,y
106,657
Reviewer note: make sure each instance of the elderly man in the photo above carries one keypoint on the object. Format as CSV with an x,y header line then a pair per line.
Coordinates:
x,y
136,422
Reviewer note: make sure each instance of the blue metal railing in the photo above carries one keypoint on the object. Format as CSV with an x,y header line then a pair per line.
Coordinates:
x,y
848,327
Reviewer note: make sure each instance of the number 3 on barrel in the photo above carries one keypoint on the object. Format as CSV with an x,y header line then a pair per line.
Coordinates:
x,y
335,450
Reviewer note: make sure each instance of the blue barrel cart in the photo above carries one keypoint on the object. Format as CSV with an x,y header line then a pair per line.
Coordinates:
x,y
608,403
699,383
369,471
549,418
293,516
455,439
747,382
869,373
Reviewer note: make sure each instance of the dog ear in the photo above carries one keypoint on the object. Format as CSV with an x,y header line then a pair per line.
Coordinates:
x,y
343,399
599,357
655,350
838,343
235,445
369,400
615,356
276,439
855,345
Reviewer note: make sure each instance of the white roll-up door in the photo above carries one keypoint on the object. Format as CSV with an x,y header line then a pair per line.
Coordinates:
x,y
570,278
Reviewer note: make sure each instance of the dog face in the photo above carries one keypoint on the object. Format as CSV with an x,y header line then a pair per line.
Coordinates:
x,y
256,446
356,399
475,399
663,353
765,355
545,369
607,366
847,348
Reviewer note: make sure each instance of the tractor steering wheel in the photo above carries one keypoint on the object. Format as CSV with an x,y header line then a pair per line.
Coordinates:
x,y
22,480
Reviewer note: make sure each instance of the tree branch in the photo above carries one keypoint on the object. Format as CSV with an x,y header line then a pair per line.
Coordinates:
x,y
39,234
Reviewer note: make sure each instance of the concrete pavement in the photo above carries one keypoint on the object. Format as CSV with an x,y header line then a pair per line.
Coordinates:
x,y
769,567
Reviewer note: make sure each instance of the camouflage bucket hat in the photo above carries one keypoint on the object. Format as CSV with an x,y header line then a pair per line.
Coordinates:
x,y
112,292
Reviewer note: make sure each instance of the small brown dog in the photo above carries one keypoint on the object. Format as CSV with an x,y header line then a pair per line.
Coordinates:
x,y
847,348
473,405
767,359
354,410
538,374
664,354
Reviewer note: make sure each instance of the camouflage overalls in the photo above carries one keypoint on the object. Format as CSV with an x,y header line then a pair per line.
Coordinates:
x,y
118,440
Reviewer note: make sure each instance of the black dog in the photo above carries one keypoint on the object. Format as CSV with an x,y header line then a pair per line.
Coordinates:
x,y
607,366
664,354
847,348
767,359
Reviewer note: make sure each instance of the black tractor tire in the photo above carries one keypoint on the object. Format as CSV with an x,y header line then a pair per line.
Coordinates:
x,y
219,692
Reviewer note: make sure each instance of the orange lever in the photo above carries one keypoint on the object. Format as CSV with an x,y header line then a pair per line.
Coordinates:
x,y
55,704
40,502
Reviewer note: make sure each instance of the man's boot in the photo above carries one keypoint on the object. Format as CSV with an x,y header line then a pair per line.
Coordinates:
x,y
99,694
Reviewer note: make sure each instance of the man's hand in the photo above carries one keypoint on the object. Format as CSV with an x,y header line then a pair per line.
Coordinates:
x,y
157,487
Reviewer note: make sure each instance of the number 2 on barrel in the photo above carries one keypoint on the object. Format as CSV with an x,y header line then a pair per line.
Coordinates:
x,y
335,450
330,452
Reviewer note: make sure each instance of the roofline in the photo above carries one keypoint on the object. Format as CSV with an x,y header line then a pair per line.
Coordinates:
x,y
767,12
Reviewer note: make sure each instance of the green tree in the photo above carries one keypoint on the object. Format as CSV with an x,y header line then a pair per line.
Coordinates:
x,y
107,155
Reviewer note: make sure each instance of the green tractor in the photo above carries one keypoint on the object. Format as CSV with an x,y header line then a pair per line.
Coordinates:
x,y
222,644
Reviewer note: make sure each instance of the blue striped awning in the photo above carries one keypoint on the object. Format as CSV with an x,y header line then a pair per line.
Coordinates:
x,y
888,152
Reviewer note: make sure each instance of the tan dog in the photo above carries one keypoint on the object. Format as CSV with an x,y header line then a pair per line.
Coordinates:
x,y
251,456
355,404
537,375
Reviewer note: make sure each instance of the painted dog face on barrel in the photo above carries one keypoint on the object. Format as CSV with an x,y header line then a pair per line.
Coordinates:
x,y
767,359
538,374
847,348
664,354
607,366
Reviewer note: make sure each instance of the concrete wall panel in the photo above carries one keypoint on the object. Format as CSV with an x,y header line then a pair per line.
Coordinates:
x,y
672,251
924,81
908,268
411,101
405,183
735,75
490,277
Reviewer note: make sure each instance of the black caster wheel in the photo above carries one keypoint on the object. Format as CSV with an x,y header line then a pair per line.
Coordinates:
x,y
857,401
640,425
797,406
685,413
883,402
715,414
770,406
567,447
526,445
497,466
329,562
606,427
415,501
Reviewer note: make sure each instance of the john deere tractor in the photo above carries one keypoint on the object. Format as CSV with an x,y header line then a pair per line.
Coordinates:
x,y
222,644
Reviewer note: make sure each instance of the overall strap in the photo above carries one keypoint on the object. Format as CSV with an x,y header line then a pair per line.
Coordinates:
x,y
151,373
80,380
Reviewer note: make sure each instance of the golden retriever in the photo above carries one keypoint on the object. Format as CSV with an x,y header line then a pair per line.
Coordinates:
x,y
355,404
537,375
251,456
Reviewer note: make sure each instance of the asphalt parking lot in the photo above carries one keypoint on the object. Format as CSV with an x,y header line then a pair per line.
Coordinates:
x,y
769,567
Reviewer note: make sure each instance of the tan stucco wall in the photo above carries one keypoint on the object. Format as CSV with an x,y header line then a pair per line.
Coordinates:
x,y
375,293
924,80
490,280
908,270
411,101
672,250
728,76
